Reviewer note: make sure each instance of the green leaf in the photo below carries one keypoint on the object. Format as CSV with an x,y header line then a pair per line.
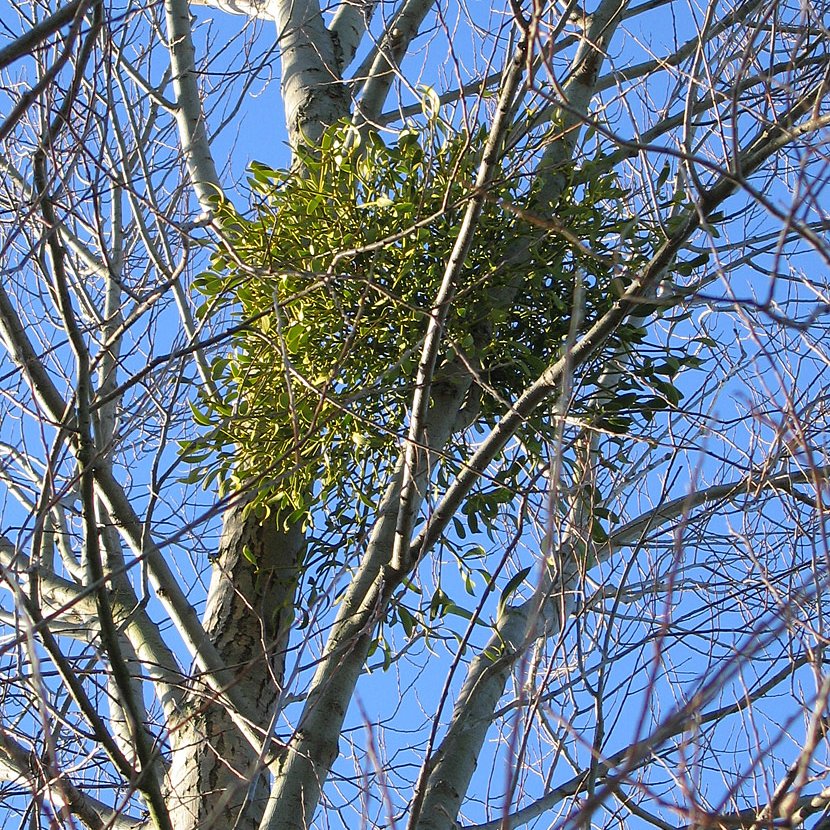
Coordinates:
x,y
430,102
380,202
407,620
458,611
201,418
512,584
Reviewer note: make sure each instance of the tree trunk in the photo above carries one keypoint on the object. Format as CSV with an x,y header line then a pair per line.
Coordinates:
x,y
216,778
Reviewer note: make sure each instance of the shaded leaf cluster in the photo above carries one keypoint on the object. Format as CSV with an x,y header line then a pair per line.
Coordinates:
x,y
334,274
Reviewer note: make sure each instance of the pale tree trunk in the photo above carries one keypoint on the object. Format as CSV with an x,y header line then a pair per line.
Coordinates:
x,y
303,769
216,778
312,87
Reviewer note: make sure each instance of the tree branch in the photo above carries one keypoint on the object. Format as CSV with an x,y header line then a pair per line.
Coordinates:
x,y
375,75
414,456
189,114
578,783
767,142
20,765
150,776
26,43
302,770
349,25
312,87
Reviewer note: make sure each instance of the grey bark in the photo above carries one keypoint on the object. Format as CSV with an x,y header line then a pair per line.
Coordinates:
x,y
312,87
217,778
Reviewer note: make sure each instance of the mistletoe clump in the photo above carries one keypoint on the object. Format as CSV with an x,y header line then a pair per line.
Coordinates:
x,y
333,276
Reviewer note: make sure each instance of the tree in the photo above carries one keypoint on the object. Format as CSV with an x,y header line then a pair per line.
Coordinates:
x,y
505,382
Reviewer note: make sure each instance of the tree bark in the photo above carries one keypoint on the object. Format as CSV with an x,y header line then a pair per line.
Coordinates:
x,y
216,778
312,87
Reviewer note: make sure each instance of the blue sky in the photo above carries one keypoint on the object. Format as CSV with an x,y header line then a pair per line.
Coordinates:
x,y
407,696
